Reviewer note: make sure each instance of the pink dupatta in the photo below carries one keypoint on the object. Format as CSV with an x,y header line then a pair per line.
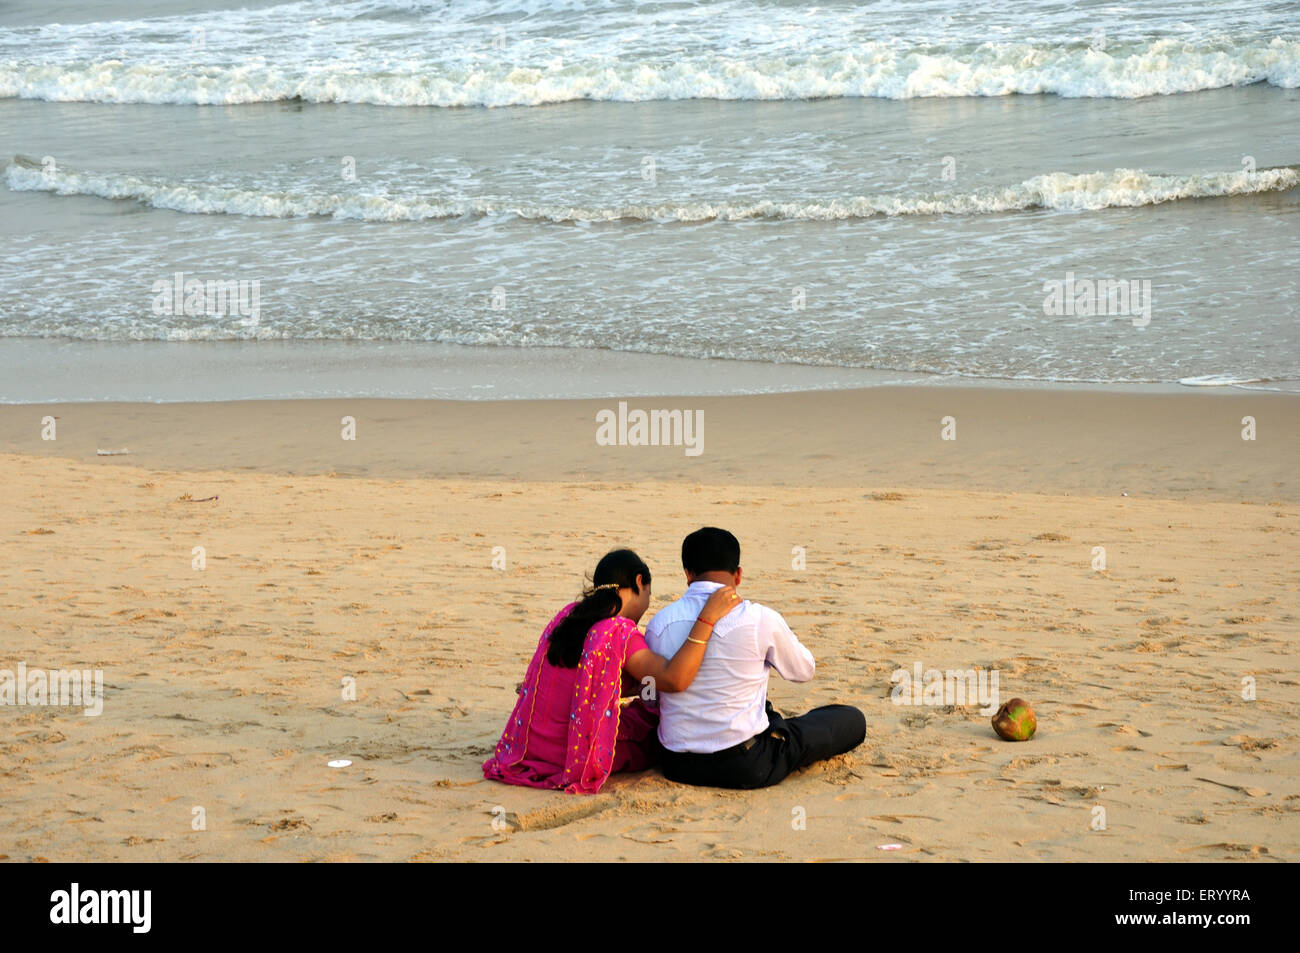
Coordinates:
x,y
593,718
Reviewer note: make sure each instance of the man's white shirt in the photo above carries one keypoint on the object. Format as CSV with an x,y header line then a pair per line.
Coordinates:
x,y
727,702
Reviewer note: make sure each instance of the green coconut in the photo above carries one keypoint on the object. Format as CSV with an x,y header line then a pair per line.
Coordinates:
x,y
1015,721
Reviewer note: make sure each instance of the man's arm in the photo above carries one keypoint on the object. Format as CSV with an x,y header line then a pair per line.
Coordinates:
x,y
785,653
654,628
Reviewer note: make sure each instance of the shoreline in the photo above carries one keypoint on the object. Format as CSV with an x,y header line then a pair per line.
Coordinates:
x,y
1183,445
63,371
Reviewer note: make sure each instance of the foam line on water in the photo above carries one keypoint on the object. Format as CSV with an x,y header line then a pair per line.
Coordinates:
x,y
1059,191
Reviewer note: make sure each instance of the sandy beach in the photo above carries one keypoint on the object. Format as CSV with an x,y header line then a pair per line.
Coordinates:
x,y
326,560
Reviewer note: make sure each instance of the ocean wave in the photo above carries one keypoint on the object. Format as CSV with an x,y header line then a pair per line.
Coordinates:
x,y
1221,380
870,69
1060,191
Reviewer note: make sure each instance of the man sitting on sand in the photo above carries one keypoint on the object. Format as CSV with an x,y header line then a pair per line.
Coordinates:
x,y
722,731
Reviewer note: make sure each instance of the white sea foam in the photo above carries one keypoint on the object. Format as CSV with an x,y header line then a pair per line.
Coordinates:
x,y
1219,380
875,70
1120,188
534,52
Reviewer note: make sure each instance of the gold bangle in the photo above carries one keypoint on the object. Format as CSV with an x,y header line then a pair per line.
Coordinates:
x,y
697,641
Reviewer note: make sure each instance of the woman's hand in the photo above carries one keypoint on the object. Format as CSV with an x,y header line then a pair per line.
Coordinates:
x,y
720,603
677,673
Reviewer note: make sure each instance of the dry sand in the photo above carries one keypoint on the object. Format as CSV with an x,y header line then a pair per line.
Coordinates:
x,y
373,559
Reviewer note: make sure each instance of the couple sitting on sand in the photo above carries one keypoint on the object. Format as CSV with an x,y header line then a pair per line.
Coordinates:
x,y
704,659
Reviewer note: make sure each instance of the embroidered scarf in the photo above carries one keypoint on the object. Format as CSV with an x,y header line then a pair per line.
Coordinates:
x,y
593,717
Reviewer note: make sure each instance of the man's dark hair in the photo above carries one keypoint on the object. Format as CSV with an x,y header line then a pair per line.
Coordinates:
x,y
710,550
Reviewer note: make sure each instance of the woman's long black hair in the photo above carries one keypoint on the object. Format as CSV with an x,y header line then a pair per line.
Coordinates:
x,y
622,566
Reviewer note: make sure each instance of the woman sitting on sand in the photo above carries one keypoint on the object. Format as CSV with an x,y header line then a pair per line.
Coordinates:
x,y
569,729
